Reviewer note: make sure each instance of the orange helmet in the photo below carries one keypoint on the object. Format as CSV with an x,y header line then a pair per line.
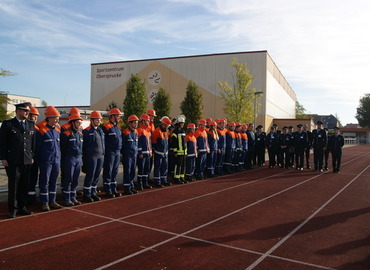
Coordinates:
x,y
74,110
73,117
151,112
202,122
191,125
237,124
34,110
132,118
52,112
209,120
47,109
114,111
212,123
231,124
95,114
244,126
145,117
165,120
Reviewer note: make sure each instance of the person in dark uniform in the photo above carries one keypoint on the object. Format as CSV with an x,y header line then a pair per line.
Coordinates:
x,y
335,144
300,146
17,142
326,152
285,142
319,142
272,146
291,148
251,145
308,149
260,146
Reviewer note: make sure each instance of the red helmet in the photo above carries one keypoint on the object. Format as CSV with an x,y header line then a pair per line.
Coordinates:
x,y
244,126
165,120
209,120
202,122
73,117
132,118
231,124
212,123
237,124
114,111
74,110
95,114
151,112
191,125
145,117
52,112
34,110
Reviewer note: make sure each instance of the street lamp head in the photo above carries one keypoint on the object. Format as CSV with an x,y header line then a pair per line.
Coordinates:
x,y
259,92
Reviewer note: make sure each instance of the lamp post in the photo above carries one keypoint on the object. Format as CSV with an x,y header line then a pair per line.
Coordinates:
x,y
255,105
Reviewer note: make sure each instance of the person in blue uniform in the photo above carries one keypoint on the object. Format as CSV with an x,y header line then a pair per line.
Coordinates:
x,y
112,155
285,143
71,146
260,146
230,148
93,156
16,154
335,144
212,137
251,147
221,145
272,140
48,156
129,153
191,146
319,143
308,150
300,146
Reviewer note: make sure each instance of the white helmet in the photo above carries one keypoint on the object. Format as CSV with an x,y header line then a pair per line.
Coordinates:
x,y
180,119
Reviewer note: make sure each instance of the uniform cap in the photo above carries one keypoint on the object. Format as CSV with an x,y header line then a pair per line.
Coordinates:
x,y
74,117
114,111
285,127
95,115
34,110
319,122
52,112
290,127
132,118
23,106
191,125
151,112
145,117
299,125
165,120
336,128
74,110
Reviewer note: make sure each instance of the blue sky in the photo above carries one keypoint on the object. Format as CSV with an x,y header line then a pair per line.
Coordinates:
x,y
321,46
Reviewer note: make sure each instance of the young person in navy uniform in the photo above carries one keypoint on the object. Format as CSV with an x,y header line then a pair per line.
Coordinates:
x,y
48,156
93,156
191,146
272,142
260,146
112,155
251,145
335,144
129,153
326,152
16,154
308,150
319,143
71,146
300,146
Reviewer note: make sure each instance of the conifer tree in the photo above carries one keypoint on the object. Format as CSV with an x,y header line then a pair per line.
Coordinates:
x,y
192,105
161,105
136,100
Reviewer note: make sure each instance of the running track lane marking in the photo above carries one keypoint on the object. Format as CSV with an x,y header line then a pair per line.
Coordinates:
x,y
204,225
259,260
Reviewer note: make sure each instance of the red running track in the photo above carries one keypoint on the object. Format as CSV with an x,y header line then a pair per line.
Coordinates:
x,y
260,219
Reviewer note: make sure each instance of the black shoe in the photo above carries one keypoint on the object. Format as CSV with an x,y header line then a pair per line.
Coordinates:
x,y
147,186
75,202
117,194
12,214
178,182
127,192
134,191
95,198
68,203
158,185
88,199
139,188
24,212
167,184
110,195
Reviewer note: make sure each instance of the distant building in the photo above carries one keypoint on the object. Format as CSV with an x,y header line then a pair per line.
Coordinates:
x,y
15,99
329,121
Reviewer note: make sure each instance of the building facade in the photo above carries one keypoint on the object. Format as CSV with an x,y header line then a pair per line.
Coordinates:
x,y
16,99
108,82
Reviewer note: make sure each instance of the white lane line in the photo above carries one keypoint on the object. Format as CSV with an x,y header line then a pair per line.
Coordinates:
x,y
259,260
207,224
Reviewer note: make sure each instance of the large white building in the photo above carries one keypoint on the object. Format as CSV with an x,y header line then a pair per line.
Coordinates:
x,y
108,82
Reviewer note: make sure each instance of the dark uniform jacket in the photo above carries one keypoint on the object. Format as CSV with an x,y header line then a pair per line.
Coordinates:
x,y
16,146
319,138
335,143
300,140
